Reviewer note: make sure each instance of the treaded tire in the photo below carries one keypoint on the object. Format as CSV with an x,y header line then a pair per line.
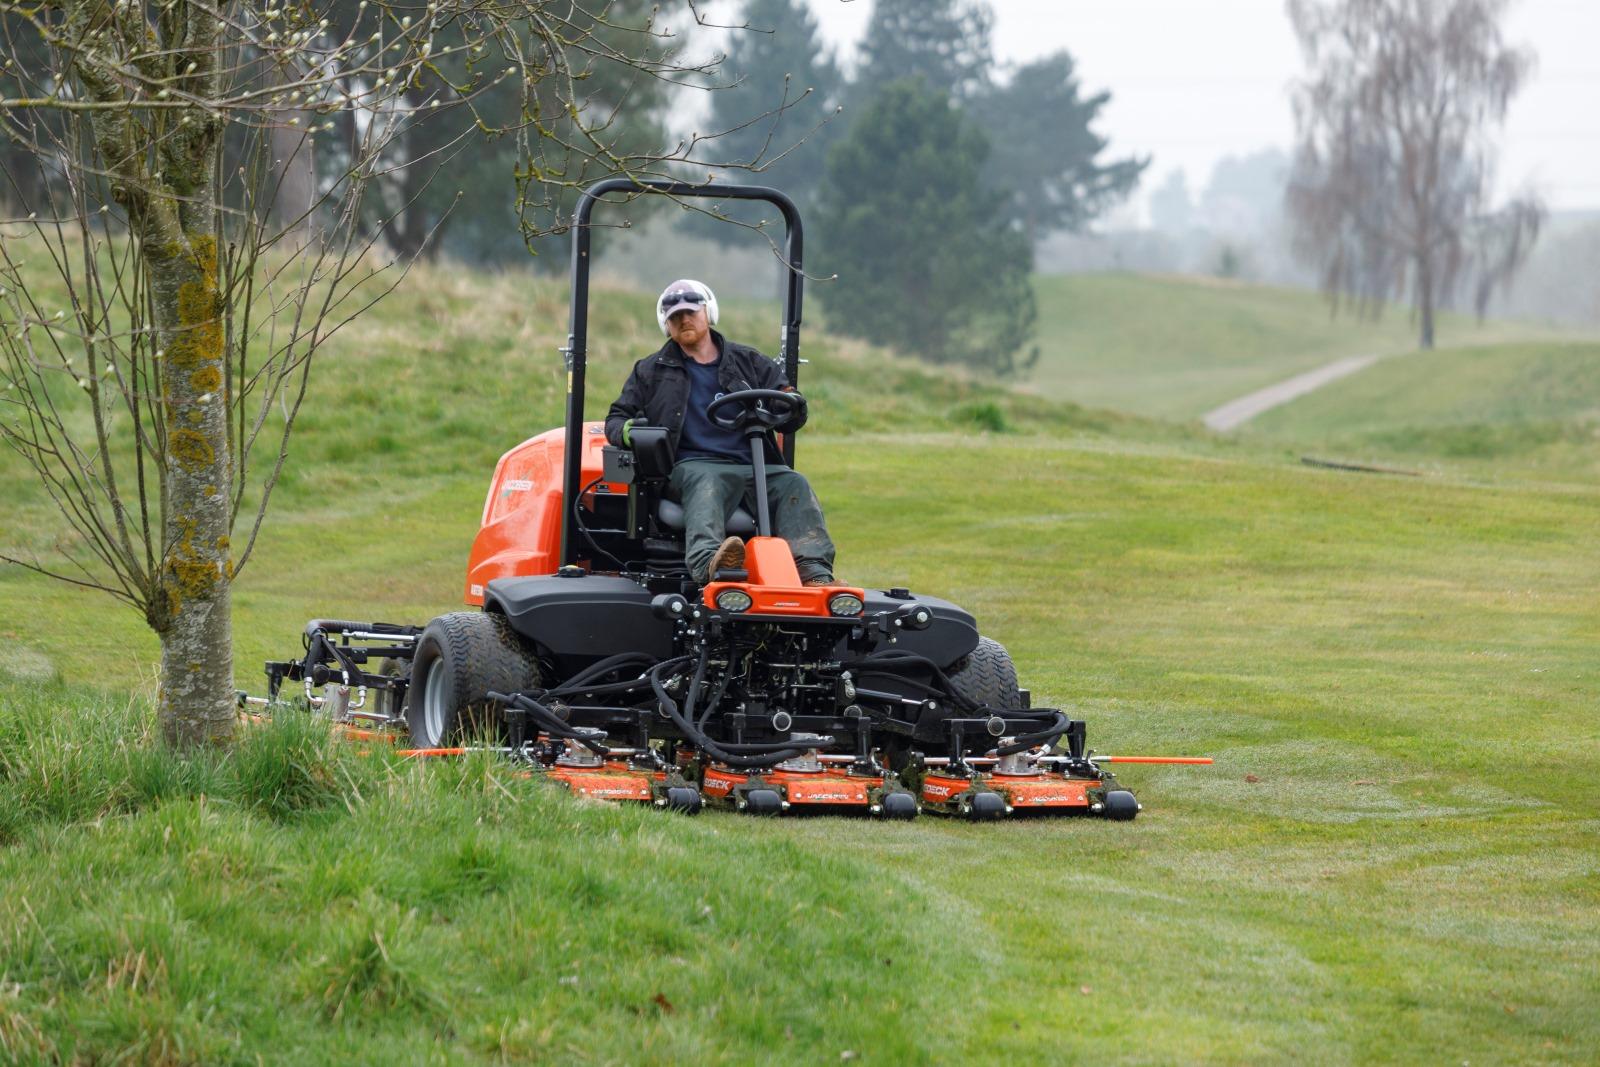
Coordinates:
x,y
460,658
387,701
989,677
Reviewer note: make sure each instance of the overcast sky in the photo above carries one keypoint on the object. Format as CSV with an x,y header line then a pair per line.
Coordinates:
x,y
1194,80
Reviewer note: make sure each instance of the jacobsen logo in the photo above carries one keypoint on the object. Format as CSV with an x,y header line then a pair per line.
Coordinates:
x,y
828,796
609,791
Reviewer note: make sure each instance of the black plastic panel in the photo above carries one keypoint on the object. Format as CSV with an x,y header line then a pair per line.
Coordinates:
x,y
593,616
953,634
600,615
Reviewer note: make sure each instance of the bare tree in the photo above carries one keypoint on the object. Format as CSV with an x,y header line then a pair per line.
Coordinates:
x,y
150,147
1393,175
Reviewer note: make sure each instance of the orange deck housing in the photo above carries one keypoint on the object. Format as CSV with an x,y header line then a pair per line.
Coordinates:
x,y
824,788
1020,791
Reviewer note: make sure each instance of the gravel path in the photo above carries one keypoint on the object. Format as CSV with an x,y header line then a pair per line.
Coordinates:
x,y
1237,412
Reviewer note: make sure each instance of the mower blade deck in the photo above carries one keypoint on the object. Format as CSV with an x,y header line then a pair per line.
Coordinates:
x,y
613,781
776,791
966,796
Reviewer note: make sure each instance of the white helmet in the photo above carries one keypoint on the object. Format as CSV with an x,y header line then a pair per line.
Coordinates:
x,y
685,293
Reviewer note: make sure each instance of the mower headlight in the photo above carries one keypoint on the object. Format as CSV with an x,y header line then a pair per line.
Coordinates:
x,y
844,604
733,600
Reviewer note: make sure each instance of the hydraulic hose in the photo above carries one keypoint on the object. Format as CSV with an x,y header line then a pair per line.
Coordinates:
x,y
744,756
601,668
552,723
1023,742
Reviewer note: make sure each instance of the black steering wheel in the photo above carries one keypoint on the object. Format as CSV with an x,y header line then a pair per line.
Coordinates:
x,y
764,408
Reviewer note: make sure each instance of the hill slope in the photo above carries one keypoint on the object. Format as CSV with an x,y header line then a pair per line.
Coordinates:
x,y
1535,405
1176,347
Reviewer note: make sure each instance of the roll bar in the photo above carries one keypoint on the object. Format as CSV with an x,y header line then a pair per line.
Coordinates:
x,y
577,350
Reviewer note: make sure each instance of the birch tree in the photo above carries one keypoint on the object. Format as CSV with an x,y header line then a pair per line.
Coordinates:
x,y
1391,187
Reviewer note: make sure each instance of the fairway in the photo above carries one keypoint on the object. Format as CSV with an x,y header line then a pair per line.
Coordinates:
x,y
1175,347
1529,409
1392,859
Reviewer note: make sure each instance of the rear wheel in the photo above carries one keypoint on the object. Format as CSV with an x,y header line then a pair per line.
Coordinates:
x,y
989,677
460,658
390,702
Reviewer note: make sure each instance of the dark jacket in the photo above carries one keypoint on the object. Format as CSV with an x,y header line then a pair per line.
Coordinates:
x,y
658,389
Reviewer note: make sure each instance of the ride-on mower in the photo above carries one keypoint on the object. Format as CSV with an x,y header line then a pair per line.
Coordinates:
x,y
598,661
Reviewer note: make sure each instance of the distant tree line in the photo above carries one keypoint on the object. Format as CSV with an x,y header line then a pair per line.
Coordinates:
x,y
930,175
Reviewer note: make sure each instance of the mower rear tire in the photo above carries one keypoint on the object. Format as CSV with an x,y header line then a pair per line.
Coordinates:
x,y
460,658
989,677
389,702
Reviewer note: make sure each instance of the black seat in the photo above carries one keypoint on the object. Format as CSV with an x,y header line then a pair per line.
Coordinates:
x,y
740,524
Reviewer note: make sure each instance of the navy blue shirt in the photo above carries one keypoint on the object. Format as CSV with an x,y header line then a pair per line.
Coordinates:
x,y
702,438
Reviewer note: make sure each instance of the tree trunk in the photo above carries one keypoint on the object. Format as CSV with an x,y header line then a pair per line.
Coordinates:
x,y
295,183
192,612
197,695
1425,303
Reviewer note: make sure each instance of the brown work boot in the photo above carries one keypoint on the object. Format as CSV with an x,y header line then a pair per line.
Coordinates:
x,y
729,556
819,579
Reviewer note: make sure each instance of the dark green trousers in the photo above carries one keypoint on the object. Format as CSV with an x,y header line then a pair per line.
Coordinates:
x,y
710,490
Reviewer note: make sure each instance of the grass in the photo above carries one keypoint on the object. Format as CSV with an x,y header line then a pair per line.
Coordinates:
x,y
1176,347
1534,407
1391,861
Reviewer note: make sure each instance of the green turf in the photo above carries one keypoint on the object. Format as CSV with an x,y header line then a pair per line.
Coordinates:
x,y
1176,347
1392,860
1534,407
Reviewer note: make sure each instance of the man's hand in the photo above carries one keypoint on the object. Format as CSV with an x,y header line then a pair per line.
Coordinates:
x,y
627,431
799,413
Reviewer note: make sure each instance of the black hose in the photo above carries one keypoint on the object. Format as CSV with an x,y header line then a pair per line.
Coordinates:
x,y
552,723
602,667
577,520
1023,742
733,756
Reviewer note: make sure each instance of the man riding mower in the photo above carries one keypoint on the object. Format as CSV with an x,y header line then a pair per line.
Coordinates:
x,y
626,649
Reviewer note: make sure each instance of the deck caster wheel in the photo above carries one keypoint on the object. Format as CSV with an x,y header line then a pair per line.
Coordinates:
x,y
1120,805
899,806
987,806
761,802
683,798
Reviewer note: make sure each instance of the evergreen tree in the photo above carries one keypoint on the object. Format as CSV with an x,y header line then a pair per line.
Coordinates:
x,y
775,116
926,261
1044,160
944,42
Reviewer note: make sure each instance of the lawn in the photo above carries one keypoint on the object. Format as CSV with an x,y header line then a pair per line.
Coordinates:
x,y
1531,408
1175,347
1392,859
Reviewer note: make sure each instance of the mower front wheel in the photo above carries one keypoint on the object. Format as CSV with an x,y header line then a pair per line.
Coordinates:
x,y
460,658
989,677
